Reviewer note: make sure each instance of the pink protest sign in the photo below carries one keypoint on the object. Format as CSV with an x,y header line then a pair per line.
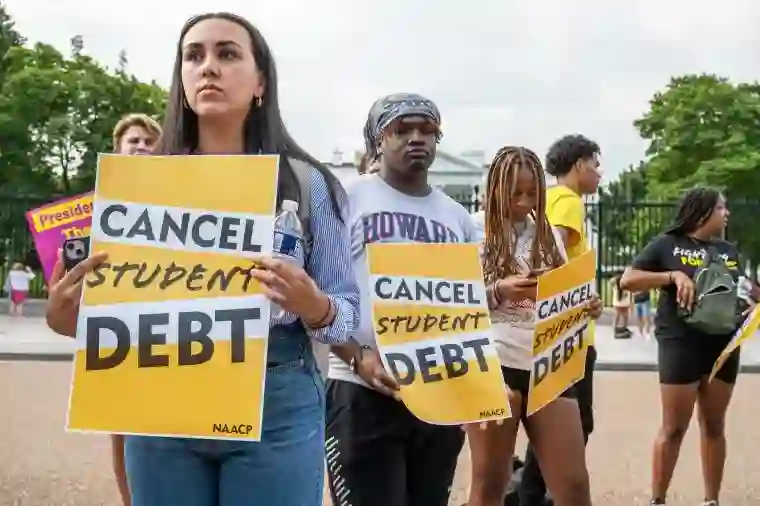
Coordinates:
x,y
53,223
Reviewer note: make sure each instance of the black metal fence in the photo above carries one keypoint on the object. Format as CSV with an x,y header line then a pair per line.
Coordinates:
x,y
617,230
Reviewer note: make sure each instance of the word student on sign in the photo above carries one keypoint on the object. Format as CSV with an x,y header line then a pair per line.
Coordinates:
x,y
216,211
519,245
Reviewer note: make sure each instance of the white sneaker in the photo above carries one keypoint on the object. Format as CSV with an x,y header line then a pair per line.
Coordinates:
x,y
710,503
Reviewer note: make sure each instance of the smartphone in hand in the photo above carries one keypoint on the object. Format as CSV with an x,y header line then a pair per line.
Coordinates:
x,y
75,250
534,273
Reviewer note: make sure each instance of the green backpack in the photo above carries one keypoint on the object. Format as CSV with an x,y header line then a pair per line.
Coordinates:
x,y
716,298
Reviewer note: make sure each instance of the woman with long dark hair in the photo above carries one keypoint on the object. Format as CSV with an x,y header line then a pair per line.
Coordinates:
x,y
686,354
223,100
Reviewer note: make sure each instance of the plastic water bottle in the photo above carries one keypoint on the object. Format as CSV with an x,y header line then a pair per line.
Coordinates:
x,y
287,234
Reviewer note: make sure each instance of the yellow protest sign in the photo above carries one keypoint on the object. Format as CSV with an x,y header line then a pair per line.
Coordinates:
x,y
746,331
433,331
559,339
172,331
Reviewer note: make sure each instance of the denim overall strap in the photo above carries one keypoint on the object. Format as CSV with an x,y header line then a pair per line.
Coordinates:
x,y
289,347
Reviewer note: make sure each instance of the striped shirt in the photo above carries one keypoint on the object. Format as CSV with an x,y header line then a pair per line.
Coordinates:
x,y
330,264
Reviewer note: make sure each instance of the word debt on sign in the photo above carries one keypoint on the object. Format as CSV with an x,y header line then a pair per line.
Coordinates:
x,y
560,337
173,328
192,331
436,363
433,332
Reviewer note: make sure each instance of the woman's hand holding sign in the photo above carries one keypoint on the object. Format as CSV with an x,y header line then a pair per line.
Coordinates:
x,y
65,292
292,288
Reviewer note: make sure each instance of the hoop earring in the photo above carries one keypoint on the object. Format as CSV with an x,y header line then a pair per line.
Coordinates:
x,y
259,101
185,103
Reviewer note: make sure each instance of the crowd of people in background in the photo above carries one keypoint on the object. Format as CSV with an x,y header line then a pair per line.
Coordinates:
x,y
224,99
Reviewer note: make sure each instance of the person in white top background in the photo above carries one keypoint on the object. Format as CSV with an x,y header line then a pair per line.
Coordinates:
x,y
519,245
17,286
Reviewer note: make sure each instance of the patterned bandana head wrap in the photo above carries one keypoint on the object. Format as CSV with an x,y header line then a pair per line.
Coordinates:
x,y
390,108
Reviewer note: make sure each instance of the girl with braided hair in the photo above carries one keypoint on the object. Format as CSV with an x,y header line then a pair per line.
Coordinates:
x,y
518,245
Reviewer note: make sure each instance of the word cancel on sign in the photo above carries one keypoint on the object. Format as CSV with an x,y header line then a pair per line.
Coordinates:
x,y
560,337
433,331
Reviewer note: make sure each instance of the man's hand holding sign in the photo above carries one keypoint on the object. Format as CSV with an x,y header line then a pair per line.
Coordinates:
x,y
433,332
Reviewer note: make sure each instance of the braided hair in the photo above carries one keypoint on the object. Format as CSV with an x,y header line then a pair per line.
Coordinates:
x,y
499,246
694,209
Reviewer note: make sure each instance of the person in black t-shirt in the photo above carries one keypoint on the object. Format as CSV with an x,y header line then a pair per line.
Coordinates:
x,y
685,355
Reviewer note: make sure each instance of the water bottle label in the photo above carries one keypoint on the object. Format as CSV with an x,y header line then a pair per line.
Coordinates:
x,y
285,244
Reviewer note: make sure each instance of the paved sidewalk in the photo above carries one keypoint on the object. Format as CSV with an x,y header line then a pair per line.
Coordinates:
x,y
29,338
42,465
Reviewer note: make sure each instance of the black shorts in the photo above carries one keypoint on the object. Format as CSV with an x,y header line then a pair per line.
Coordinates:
x,y
683,361
379,454
518,380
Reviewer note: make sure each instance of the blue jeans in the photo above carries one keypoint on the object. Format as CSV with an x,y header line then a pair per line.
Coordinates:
x,y
286,468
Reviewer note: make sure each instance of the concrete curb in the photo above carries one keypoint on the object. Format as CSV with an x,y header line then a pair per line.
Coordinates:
x,y
35,357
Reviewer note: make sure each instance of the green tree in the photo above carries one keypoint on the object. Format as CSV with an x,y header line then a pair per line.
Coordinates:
x,y
704,129
9,37
60,112
56,115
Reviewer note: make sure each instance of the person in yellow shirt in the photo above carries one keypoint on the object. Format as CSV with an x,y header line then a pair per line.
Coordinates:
x,y
574,161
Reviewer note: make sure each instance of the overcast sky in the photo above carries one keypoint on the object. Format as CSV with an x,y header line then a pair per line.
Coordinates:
x,y
501,72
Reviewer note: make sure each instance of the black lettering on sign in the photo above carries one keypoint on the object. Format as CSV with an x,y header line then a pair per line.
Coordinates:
x,y
412,289
562,326
186,336
148,338
105,222
204,230
192,327
561,353
561,303
195,278
430,323
452,363
233,428
94,326
489,413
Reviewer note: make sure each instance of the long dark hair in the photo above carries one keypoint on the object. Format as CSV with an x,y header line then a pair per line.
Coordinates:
x,y
265,131
694,209
499,245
